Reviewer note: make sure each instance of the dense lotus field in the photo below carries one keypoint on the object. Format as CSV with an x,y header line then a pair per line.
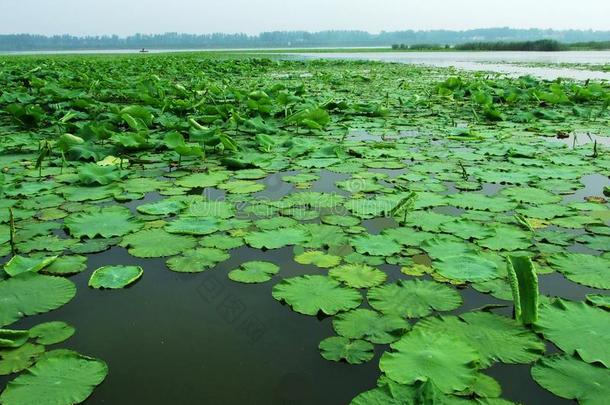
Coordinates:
x,y
450,181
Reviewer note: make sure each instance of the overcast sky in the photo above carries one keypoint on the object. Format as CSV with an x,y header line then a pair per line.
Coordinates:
x,y
124,17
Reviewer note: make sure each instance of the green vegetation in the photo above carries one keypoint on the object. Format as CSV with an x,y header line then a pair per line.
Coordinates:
x,y
398,191
545,45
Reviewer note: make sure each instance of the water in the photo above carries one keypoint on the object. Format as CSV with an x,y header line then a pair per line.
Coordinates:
x,y
500,62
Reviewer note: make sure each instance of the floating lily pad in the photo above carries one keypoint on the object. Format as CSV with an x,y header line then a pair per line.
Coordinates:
x,y
277,238
413,298
420,356
570,378
336,348
370,325
576,327
114,277
592,271
467,267
156,243
197,260
61,377
19,358
30,294
358,275
317,258
50,333
254,272
107,222
312,294
20,264
376,245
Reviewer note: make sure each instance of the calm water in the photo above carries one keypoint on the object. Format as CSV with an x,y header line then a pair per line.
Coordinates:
x,y
500,62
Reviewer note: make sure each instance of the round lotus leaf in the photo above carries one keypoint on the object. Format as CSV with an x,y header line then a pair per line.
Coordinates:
x,y
157,243
370,325
592,271
197,260
340,220
30,294
413,298
495,337
107,222
194,225
449,363
442,247
376,245
50,333
570,378
467,229
277,238
20,358
467,267
242,187
114,277
275,223
202,180
254,272
224,242
336,348
164,207
67,265
93,174
358,275
531,195
11,338
317,258
312,294
577,327
599,300
60,377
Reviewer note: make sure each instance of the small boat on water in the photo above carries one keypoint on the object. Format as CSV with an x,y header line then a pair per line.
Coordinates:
x,y
143,50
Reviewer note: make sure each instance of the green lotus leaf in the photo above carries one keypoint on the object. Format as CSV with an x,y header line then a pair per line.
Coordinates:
x,y
194,225
466,229
217,209
164,207
20,358
323,236
358,275
202,180
507,238
442,247
336,348
340,220
376,245
370,325
467,267
60,377
114,277
30,293
157,243
545,211
242,186
577,327
449,363
50,333
428,221
481,202
275,223
219,241
10,338
592,271
94,245
254,272
277,238
310,295
495,337
107,222
597,242
80,193
531,195
67,265
413,298
570,378
20,264
93,174
317,258
197,260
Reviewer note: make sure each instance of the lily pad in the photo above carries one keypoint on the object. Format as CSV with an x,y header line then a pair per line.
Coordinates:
x,y
30,294
358,275
114,277
197,260
156,243
317,258
50,333
376,245
61,377
254,272
20,264
592,271
310,295
107,222
370,325
336,348
413,298
467,267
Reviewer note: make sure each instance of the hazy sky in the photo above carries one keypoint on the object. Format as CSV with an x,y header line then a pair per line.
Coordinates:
x,y
124,17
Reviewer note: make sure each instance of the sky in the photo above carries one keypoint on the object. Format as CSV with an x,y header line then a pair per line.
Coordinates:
x,y
126,17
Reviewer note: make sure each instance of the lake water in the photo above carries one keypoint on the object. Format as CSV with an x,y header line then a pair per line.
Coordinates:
x,y
512,63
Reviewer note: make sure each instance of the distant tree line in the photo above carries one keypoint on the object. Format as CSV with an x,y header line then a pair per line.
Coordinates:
x,y
292,39
548,45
